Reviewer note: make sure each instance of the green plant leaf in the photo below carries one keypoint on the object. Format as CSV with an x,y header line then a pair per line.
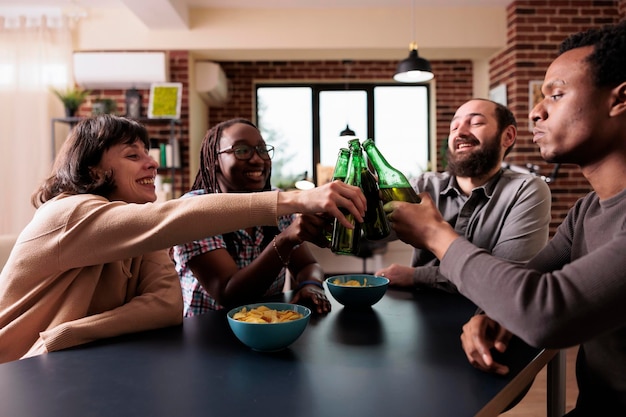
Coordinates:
x,y
71,97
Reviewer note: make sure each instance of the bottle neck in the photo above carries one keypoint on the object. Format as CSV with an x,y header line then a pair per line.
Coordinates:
x,y
341,167
388,176
355,165
377,159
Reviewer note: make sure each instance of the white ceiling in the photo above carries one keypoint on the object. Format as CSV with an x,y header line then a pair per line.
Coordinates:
x,y
174,14
330,4
173,17
280,4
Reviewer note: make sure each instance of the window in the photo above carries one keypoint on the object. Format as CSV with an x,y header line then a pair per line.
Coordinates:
x,y
304,122
338,110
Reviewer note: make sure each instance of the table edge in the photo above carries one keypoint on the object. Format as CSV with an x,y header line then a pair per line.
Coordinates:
x,y
498,403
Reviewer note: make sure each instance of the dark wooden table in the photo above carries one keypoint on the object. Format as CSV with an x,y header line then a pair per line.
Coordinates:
x,y
402,357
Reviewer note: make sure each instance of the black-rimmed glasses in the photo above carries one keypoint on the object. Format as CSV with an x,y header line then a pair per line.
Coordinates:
x,y
245,152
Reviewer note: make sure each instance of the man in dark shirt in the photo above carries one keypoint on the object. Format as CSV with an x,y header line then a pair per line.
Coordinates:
x,y
574,290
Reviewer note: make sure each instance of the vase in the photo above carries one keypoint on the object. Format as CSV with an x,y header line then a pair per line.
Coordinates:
x,y
70,112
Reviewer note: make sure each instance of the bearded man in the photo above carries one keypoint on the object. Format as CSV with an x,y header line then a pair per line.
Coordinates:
x,y
497,209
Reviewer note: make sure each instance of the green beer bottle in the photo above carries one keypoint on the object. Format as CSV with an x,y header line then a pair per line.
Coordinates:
x,y
340,172
341,166
375,225
346,241
392,183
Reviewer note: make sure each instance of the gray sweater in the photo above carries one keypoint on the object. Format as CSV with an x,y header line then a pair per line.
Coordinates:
x,y
509,216
572,292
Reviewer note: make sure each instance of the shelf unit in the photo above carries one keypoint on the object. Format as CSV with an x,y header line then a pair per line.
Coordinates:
x,y
170,134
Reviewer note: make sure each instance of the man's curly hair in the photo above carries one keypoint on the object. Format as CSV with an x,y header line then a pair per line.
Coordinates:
x,y
608,59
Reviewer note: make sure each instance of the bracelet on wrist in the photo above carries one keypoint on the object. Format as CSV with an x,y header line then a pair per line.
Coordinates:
x,y
283,261
310,282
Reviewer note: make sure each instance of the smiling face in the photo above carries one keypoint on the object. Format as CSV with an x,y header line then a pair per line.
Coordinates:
x,y
572,123
235,175
476,145
133,172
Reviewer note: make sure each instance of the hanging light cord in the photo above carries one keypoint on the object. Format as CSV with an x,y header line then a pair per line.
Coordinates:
x,y
348,64
413,41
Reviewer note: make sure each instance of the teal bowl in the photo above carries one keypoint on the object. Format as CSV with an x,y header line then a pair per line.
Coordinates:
x,y
269,337
370,290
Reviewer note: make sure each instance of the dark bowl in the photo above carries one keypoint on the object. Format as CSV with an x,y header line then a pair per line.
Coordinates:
x,y
269,337
370,290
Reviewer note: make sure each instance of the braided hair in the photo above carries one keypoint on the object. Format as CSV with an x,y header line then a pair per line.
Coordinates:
x,y
206,179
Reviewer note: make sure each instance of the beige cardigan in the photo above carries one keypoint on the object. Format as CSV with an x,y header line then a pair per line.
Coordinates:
x,y
86,268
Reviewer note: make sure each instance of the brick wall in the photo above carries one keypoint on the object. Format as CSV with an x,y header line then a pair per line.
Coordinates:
x,y
453,86
535,30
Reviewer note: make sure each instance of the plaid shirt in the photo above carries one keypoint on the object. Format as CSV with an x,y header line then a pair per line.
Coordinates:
x,y
196,299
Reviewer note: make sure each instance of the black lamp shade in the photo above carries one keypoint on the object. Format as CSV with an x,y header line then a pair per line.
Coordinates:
x,y
347,132
413,69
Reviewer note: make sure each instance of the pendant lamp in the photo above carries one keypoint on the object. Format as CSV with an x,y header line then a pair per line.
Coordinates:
x,y
413,69
347,132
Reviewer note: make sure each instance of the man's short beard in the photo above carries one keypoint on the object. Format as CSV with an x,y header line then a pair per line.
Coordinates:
x,y
475,164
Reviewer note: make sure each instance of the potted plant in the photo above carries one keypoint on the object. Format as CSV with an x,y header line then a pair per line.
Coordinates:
x,y
72,98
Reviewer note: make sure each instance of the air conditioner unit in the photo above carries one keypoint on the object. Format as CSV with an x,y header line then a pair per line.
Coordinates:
x,y
211,83
123,70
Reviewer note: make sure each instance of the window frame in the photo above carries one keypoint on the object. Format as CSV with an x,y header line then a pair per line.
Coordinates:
x,y
318,87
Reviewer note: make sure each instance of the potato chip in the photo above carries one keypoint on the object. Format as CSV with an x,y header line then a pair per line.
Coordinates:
x,y
264,315
350,283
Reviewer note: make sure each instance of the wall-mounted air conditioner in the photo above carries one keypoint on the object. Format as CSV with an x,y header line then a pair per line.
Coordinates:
x,y
123,70
211,83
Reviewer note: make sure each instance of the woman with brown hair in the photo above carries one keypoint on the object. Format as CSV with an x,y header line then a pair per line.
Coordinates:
x,y
94,263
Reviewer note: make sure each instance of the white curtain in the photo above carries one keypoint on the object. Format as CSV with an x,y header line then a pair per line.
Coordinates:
x,y
35,55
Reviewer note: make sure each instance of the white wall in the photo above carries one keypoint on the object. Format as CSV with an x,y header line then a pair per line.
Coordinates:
x,y
265,34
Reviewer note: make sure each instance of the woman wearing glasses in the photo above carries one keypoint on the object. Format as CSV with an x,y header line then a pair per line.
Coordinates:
x,y
94,263
236,268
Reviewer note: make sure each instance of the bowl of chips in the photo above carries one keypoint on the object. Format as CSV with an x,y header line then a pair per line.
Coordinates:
x,y
268,327
357,290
